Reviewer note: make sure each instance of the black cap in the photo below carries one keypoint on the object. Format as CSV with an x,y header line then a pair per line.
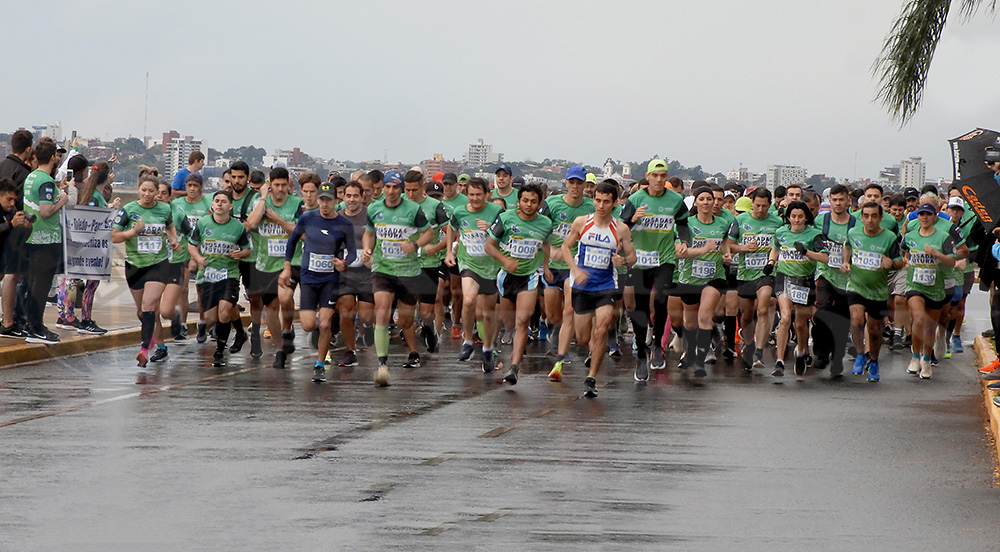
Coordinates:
x,y
434,187
911,193
449,178
518,182
503,167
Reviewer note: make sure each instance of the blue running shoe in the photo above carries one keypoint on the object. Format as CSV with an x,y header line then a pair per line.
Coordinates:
x,y
873,371
956,344
543,331
859,364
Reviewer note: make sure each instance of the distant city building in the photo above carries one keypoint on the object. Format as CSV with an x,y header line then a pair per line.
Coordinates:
x,y
178,150
53,130
481,154
167,137
741,174
439,164
783,175
290,158
912,173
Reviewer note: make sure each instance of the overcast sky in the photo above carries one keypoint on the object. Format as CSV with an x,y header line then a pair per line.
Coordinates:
x,y
715,83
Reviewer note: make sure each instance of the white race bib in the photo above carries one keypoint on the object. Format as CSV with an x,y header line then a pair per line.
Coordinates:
x,y
836,254
215,274
647,259
321,263
475,243
702,269
867,260
756,260
597,257
924,276
276,248
523,248
148,244
798,294
392,249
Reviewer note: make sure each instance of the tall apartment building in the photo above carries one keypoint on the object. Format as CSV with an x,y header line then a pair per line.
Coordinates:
x,y
177,151
51,130
439,164
783,175
481,154
912,173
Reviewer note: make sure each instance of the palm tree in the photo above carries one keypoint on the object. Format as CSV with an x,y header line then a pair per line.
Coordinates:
x,y
908,50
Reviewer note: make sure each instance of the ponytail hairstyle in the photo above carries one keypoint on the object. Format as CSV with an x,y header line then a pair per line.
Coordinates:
x,y
98,176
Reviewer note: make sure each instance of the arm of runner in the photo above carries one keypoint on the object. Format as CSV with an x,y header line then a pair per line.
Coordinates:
x,y
625,236
943,258
293,238
449,238
256,215
285,278
509,264
575,230
816,251
245,246
172,240
194,241
845,264
368,243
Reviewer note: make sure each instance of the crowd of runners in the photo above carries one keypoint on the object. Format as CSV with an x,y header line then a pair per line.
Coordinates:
x,y
828,281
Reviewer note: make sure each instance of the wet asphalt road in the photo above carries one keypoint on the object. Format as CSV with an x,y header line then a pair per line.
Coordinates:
x,y
250,458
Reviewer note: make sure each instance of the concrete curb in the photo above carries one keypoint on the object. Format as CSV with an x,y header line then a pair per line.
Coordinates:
x,y
985,355
23,353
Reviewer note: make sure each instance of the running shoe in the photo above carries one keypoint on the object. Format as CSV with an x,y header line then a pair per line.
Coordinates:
x,y
914,366
219,358
202,333
758,358
993,366
779,369
142,358
319,373
159,354
382,376
728,354
615,352
947,350
994,375
413,361
15,332
256,351
456,332
676,345
368,333
746,355
556,373
956,344
88,327
508,338
873,371
590,388
488,362
641,373
800,365
926,370
238,342
288,342
859,364
280,358
711,357
511,376
586,362
993,386
939,348
996,401
42,335
67,323
350,359
657,362
896,342
700,372
988,334
934,359
543,331
466,352
432,341
907,341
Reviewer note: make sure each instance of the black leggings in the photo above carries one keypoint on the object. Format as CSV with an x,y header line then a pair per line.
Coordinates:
x,y
832,321
44,262
656,282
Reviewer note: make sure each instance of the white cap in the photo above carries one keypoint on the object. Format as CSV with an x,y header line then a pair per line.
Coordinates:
x,y
957,202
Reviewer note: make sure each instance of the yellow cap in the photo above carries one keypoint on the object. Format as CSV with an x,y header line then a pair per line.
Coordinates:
x,y
656,165
591,177
744,204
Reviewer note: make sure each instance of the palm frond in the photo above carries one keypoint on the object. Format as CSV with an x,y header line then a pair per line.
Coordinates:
x,y
906,56
970,7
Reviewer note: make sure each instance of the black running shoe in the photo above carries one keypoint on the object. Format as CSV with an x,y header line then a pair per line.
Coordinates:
x,y
413,361
586,362
238,342
219,358
368,336
175,327
12,332
466,352
511,376
432,340
590,388
747,357
641,373
88,327
800,365
700,372
319,374
256,351
280,358
489,363
159,354
728,354
67,323
350,359
779,369
202,333
42,335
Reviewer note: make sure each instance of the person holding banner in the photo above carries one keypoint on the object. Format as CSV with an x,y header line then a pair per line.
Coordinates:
x,y
217,244
146,227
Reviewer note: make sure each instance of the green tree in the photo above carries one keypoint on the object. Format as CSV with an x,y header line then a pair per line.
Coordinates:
x,y
908,50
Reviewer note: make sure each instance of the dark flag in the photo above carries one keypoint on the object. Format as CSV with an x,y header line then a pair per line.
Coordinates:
x,y
974,178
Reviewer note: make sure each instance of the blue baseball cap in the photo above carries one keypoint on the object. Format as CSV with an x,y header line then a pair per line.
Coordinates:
x,y
577,172
503,167
395,177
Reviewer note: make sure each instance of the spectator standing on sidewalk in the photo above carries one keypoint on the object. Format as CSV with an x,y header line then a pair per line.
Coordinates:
x,y
14,261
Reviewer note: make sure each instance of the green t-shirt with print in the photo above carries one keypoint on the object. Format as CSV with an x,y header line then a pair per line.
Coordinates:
x,y
150,246
510,199
867,277
471,254
924,273
790,261
273,238
241,210
393,226
216,242
186,216
40,189
437,216
562,215
451,205
704,268
522,239
745,230
654,235
836,237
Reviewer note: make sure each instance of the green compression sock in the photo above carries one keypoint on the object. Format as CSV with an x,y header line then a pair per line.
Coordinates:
x,y
481,329
381,340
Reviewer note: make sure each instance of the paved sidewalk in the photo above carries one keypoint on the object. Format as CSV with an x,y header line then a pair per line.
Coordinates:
x,y
114,311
